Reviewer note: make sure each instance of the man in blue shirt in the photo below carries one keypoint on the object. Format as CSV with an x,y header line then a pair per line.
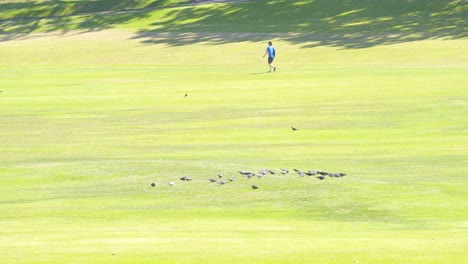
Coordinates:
x,y
271,56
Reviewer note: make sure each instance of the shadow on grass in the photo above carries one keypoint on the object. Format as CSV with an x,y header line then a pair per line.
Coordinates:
x,y
19,19
338,23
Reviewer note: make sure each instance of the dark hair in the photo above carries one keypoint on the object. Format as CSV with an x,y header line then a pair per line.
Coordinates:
x,y
269,43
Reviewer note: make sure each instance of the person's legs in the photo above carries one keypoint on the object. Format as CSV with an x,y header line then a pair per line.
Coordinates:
x,y
270,62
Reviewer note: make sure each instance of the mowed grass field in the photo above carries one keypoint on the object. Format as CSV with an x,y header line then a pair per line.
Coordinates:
x,y
93,110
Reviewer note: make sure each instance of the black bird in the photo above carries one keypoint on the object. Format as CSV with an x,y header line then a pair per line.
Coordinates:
x,y
186,178
153,184
324,173
212,180
321,177
186,95
270,171
284,171
294,129
254,187
221,175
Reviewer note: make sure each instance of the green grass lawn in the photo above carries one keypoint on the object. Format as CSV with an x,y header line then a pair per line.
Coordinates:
x,y
88,120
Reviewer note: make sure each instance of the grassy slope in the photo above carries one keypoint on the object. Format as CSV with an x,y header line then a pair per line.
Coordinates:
x,y
89,120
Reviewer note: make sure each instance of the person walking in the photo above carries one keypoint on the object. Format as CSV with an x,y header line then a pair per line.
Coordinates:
x,y
270,50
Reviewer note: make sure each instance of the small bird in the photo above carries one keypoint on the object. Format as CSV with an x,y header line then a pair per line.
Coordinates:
x,y
231,179
222,182
260,175
254,187
270,171
186,178
301,173
221,175
321,177
284,171
171,183
294,129
212,180
244,172
153,184
324,173
249,175
310,173
186,95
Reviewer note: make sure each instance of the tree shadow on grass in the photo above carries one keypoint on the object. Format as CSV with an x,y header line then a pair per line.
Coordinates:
x,y
345,24
20,19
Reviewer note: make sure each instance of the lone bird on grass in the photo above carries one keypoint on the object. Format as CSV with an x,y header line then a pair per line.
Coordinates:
x,y
153,184
254,187
294,129
186,178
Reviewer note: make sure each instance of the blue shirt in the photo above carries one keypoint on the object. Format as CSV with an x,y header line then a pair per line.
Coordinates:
x,y
271,51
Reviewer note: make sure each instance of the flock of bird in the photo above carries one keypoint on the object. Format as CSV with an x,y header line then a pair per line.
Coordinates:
x,y
222,180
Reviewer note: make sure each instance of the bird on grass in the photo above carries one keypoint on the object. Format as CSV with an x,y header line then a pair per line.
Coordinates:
x,y
310,173
186,95
270,171
294,129
284,171
212,180
186,178
247,174
171,184
337,175
222,182
231,179
299,172
254,187
221,175
321,177
153,184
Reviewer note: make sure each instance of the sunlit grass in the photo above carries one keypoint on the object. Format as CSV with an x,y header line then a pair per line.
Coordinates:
x,y
89,120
